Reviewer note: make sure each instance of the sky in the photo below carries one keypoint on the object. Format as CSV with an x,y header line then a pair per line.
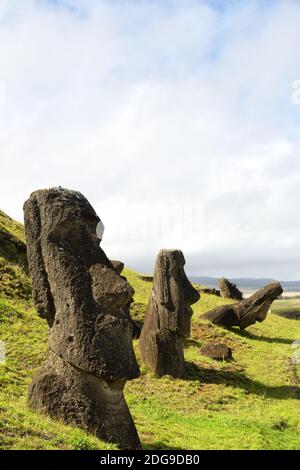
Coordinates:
x,y
179,120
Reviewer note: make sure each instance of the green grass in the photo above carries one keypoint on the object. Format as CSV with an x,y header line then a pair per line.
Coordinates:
x,y
12,242
20,429
14,281
286,307
251,402
12,226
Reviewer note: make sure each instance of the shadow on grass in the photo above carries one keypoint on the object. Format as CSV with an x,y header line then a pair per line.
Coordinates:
x,y
239,380
188,343
247,334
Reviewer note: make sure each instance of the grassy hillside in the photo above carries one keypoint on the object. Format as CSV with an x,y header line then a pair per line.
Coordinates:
x,y
14,281
288,307
251,402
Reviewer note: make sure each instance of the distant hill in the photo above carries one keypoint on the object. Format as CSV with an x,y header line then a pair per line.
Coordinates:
x,y
247,283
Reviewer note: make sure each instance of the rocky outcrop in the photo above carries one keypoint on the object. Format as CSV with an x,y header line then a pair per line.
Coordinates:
x,y
145,278
168,317
208,290
229,290
248,311
85,302
216,351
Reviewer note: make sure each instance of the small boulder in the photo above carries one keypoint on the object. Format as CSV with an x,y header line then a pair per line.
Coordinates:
x,y
145,278
209,290
217,351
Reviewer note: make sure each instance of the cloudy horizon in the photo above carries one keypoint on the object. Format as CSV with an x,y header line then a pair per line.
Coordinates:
x,y
179,120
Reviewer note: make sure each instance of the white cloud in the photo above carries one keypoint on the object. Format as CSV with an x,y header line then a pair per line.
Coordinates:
x,y
3,93
160,111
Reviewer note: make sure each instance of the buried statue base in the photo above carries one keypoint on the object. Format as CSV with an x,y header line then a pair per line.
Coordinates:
x,y
84,400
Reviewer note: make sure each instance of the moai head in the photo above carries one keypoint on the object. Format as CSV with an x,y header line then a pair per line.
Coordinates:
x,y
174,291
75,286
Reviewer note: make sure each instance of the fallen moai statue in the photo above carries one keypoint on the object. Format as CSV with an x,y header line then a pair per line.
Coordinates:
x,y
84,300
168,317
229,290
248,311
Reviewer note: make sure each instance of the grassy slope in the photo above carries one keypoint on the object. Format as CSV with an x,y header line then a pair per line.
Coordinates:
x,y
14,282
249,403
284,306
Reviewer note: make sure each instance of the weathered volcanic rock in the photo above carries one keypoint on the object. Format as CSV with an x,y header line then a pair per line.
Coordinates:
x,y
248,311
217,351
209,290
145,278
118,266
229,290
85,302
168,317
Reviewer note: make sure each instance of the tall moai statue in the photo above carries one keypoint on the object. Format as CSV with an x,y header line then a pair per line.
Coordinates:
x,y
168,318
84,300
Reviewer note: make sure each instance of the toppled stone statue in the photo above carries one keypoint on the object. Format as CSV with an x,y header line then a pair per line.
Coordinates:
x,y
229,290
248,311
168,317
83,299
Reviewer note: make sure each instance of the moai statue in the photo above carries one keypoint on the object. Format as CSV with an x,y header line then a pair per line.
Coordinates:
x,y
83,299
247,311
229,290
168,318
